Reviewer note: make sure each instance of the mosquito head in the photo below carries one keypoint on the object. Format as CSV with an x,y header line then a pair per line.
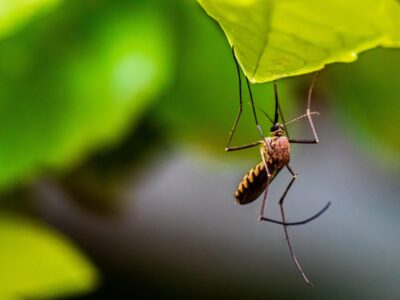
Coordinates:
x,y
277,129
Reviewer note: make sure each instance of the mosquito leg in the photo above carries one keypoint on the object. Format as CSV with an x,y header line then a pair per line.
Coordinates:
x,y
240,103
310,121
313,141
254,110
235,148
265,197
264,201
313,217
317,215
286,230
231,133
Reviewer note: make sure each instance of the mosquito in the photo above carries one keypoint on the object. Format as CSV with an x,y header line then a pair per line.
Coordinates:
x,y
275,154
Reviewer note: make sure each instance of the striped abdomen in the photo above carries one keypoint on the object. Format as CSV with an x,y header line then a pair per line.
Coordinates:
x,y
276,151
253,183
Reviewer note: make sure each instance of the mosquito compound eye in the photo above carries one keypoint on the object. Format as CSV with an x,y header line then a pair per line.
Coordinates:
x,y
275,127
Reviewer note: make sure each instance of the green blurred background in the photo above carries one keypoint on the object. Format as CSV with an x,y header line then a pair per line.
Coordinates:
x,y
114,183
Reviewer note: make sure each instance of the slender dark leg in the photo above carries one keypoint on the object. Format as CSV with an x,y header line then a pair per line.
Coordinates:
x,y
264,201
265,197
243,146
228,147
240,103
285,228
262,218
309,113
254,110
299,222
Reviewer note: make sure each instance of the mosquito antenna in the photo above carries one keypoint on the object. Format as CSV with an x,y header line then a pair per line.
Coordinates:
x,y
301,117
265,114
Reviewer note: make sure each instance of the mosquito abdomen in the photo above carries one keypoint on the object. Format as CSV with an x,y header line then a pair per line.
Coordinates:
x,y
252,184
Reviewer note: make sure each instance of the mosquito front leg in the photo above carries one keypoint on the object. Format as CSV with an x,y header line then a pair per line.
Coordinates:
x,y
234,148
240,104
310,121
313,141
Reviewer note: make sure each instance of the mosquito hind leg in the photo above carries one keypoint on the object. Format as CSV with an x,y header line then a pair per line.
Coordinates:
x,y
265,197
281,205
296,223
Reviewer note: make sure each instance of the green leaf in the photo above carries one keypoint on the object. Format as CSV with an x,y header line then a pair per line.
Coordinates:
x,y
76,81
15,13
275,38
38,263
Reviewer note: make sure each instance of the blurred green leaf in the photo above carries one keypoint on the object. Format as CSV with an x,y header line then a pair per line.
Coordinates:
x,y
76,81
367,95
275,39
38,263
15,13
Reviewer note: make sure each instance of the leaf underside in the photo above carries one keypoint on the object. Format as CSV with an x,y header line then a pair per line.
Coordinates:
x,y
280,38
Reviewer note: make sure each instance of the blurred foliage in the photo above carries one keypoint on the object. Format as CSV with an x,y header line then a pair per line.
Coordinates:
x,y
75,80
367,95
14,14
70,82
274,39
98,184
37,263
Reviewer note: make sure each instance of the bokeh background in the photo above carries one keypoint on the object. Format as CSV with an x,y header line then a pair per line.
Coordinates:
x,y
113,120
